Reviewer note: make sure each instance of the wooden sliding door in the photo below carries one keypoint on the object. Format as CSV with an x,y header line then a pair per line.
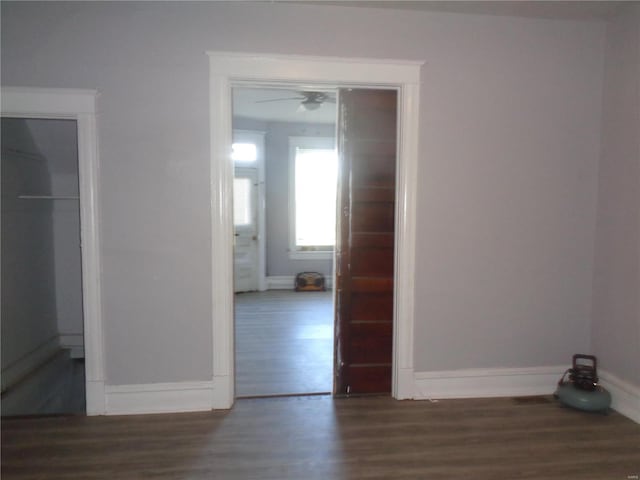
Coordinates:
x,y
365,241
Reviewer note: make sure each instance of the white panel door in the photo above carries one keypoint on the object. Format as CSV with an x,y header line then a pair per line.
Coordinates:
x,y
245,219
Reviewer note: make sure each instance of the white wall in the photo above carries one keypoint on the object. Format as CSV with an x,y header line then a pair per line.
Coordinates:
x,y
616,301
509,146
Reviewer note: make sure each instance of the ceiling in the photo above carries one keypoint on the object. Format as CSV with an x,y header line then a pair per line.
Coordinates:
x,y
551,9
247,104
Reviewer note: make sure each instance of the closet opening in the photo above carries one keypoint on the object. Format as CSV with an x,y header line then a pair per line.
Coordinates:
x,y
42,318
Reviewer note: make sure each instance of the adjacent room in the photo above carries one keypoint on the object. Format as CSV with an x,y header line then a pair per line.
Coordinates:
x,y
285,181
500,147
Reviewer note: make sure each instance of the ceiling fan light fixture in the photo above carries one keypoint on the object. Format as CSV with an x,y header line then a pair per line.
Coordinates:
x,y
311,105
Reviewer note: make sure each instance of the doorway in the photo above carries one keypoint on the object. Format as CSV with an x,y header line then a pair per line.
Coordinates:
x,y
227,69
42,309
77,106
284,210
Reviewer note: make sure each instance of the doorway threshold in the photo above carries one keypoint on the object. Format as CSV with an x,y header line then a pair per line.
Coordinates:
x,y
284,395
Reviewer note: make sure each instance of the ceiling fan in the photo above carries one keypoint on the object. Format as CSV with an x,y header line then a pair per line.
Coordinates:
x,y
308,100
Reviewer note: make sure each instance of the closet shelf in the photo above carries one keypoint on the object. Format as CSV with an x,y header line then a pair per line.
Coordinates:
x,y
48,197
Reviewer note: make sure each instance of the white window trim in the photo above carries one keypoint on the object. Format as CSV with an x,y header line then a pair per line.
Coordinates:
x,y
328,143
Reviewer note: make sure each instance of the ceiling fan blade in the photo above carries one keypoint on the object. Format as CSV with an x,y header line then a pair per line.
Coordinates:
x,y
279,99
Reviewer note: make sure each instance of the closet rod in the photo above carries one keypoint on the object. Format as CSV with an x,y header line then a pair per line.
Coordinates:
x,y
22,153
49,197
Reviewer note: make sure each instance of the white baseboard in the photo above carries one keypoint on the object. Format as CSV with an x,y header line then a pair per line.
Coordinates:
x,y
514,382
625,397
158,398
280,282
74,342
469,383
493,382
29,362
287,282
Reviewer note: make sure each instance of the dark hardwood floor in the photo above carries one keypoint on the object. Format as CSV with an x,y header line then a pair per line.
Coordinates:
x,y
322,438
284,343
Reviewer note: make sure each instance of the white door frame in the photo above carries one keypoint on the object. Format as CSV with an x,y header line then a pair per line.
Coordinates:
x,y
228,69
78,105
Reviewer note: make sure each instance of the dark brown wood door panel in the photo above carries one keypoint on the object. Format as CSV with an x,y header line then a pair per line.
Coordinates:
x,y
372,307
369,379
365,241
371,262
372,217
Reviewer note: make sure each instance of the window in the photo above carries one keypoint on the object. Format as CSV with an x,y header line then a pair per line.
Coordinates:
x,y
244,152
314,180
242,202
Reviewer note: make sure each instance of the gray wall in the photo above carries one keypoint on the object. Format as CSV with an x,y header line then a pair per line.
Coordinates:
x,y
509,144
28,270
616,300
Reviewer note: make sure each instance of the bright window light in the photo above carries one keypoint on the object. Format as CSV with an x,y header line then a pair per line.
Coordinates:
x,y
241,202
316,180
244,152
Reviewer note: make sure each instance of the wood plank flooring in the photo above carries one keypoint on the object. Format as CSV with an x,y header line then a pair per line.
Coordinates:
x,y
322,438
284,343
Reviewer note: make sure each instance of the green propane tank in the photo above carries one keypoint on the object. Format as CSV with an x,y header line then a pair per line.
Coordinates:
x,y
597,400
581,389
